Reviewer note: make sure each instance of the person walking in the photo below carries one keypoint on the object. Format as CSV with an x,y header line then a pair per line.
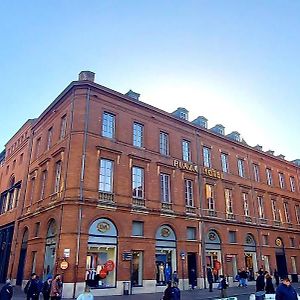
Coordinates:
x,y
260,282
47,288
210,278
276,276
86,295
193,278
175,277
269,284
243,278
223,286
285,291
32,288
56,288
175,292
168,292
6,292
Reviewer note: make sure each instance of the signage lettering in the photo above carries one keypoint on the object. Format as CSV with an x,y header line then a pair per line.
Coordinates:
x,y
185,166
212,173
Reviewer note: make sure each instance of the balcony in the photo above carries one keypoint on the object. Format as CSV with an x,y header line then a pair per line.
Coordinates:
x,y
166,206
190,210
106,199
277,223
247,219
55,196
230,216
137,202
209,213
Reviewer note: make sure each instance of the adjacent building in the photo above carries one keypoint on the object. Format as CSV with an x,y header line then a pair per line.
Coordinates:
x,y
106,189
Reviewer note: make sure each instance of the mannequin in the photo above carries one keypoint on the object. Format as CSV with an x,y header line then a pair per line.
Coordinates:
x,y
167,272
161,273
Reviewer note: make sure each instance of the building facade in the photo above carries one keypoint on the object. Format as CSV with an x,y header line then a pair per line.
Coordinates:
x,y
106,189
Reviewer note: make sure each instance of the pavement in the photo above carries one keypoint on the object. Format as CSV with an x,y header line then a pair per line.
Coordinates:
x,y
196,294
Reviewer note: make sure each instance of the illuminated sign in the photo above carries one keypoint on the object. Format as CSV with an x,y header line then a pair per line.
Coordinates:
x,y
185,166
212,173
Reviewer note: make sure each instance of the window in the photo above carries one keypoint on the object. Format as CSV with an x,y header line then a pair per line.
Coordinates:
x,y
292,184
14,164
21,158
183,115
108,125
49,138
43,184
138,134
137,268
210,197
265,239
297,211
186,150
33,266
228,201
294,264
261,212
206,157
164,143
256,172
32,189
241,167
137,228
292,242
57,181
275,211
224,162
287,212
63,127
281,180
189,200
191,233
165,188
269,176
37,229
137,182
106,175
232,237
38,147
246,204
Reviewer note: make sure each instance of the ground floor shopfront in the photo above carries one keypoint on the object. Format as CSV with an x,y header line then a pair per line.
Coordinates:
x,y
106,249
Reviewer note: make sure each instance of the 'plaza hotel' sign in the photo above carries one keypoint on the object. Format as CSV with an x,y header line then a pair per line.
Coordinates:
x,y
194,168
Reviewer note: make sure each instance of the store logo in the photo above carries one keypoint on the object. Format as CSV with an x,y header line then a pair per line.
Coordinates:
x,y
278,242
165,232
185,166
103,227
212,173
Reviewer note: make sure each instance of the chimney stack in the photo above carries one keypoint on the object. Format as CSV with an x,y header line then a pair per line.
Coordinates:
x,y
86,76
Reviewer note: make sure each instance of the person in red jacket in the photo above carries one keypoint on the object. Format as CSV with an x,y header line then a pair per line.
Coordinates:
x,y
56,288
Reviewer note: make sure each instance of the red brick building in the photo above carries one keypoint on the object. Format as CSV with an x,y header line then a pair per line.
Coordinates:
x,y
123,191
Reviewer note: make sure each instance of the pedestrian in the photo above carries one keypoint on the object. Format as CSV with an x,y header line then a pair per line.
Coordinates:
x,y
210,278
168,292
86,295
193,278
260,282
223,286
6,292
276,276
32,288
269,284
243,277
47,288
175,292
285,291
175,277
56,288
237,277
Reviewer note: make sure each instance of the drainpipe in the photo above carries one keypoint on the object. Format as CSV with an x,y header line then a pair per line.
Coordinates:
x,y
83,159
201,223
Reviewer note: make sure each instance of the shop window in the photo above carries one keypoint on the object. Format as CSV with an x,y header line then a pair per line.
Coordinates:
x,y
232,237
137,228
191,233
101,254
137,268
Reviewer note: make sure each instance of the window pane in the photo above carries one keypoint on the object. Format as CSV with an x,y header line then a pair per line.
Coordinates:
x,y
108,125
138,182
138,134
106,176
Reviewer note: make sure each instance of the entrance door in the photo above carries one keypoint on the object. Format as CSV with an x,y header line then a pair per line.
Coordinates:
x,y
22,258
6,235
281,265
192,268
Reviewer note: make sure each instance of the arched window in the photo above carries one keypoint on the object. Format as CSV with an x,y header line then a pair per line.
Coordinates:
x,y
50,250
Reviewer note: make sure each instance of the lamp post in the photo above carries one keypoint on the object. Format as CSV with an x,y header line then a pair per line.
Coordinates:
x,y
182,255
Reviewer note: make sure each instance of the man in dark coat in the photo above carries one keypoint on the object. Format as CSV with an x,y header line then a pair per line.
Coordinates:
x,y
6,292
168,291
32,288
260,282
210,278
285,291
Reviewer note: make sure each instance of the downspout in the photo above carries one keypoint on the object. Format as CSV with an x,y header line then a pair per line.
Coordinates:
x,y
83,159
201,223
22,204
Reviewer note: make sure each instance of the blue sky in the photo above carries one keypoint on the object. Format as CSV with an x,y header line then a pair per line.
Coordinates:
x,y
235,62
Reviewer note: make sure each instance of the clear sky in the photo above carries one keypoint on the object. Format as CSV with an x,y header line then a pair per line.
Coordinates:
x,y
235,62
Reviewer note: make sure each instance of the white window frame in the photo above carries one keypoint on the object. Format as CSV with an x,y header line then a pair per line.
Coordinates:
x,y
228,201
138,135
241,167
57,182
63,127
49,138
261,210
108,125
189,193
269,176
43,184
224,162
165,196
246,204
206,157
292,184
256,172
106,175
138,182
164,143
287,212
297,211
210,200
186,150
281,180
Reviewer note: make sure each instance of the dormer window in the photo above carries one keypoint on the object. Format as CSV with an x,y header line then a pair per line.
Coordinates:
x,y
183,115
200,121
219,129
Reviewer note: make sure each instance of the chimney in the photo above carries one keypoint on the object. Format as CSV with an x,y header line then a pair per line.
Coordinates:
x,y
133,95
86,76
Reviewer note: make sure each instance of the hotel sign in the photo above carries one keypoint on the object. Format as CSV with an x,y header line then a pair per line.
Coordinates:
x,y
185,166
212,173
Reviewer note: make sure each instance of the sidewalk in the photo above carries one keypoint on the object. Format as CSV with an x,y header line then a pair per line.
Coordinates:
x,y
196,294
